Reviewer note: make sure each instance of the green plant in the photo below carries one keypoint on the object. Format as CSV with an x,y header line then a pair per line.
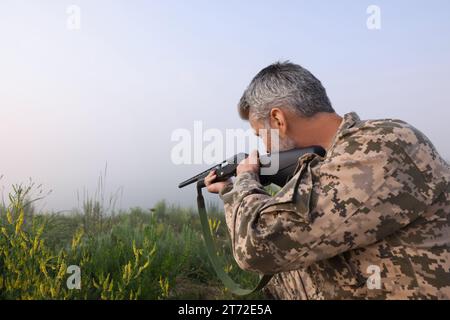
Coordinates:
x,y
136,254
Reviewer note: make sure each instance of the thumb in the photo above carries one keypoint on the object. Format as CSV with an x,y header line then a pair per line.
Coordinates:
x,y
254,157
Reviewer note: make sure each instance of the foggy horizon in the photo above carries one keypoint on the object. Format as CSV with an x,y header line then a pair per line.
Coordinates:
x,y
113,92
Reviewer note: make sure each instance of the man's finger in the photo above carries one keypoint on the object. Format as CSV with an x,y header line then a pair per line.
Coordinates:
x,y
254,157
210,177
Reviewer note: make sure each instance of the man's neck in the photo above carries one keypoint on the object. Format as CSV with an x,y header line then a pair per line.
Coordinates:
x,y
319,130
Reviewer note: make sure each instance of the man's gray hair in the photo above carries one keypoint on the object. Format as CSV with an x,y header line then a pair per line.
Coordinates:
x,y
284,85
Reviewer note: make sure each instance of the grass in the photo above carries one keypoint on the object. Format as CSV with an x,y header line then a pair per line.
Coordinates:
x,y
134,254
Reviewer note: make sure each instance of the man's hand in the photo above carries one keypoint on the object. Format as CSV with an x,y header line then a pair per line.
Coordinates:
x,y
215,187
250,164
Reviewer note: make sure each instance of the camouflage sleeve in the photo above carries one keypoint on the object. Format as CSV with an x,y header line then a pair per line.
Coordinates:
x,y
327,208
244,197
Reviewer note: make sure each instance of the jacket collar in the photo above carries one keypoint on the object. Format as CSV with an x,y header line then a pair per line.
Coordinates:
x,y
349,121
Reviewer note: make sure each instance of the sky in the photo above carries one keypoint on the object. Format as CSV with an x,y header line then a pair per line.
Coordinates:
x,y
110,91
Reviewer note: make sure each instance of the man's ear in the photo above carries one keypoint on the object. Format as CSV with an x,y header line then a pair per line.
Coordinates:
x,y
278,120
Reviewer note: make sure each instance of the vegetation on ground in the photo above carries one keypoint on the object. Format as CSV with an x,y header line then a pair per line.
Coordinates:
x,y
134,254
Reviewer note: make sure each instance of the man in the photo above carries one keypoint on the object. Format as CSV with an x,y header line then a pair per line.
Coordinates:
x,y
370,220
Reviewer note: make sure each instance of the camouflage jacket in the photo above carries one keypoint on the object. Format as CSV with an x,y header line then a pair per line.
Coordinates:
x,y
370,220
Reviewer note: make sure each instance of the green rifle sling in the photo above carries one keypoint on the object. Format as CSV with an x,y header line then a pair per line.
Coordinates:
x,y
229,283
